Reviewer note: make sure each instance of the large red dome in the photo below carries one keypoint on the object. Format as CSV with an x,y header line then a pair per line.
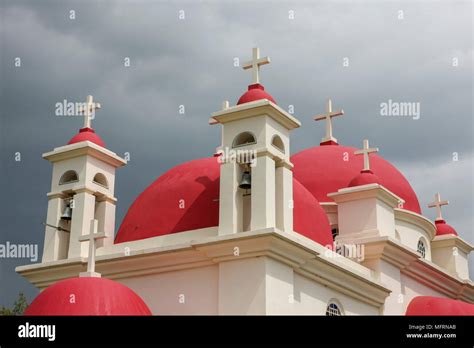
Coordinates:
x,y
187,198
87,296
430,305
326,169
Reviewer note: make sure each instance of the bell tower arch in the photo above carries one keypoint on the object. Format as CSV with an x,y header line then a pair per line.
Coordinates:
x,y
82,189
256,180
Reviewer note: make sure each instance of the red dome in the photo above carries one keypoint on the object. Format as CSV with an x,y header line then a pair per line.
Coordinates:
x,y
309,219
443,228
326,169
186,198
365,177
87,134
92,296
255,92
429,305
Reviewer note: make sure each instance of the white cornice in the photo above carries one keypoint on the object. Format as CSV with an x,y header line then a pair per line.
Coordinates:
x,y
416,219
422,270
304,256
84,148
279,158
366,191
433,276
337,277
101,193
450,240
329,207
255,108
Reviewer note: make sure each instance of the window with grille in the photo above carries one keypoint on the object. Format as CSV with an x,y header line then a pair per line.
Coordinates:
x,y
421,248
333,309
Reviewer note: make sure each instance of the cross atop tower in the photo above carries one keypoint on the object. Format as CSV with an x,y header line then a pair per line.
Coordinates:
x,y
366,151
255,63
438,203
328,117
89,110
91,238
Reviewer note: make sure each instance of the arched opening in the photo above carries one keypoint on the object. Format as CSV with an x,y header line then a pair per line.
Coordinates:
x,y
334,308
101,180
245,199
243,139
421,248
278,143
68,177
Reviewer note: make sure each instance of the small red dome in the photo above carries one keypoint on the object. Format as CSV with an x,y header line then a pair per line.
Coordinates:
x,y
255,92
443,228
430,305
326,169
87,296
187,198
365,177
87,134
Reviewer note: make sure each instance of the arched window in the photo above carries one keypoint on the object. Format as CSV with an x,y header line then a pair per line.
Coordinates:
x,y
278,143
421,248
100,179
333,309
245,138
68,177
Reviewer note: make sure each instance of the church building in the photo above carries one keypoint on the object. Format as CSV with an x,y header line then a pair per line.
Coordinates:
x,y
250,230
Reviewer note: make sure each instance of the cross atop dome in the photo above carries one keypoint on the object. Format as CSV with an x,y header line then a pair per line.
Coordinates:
x,y
329,139
438,203
87,133
255,64
366,150
255,90
91,238
89,110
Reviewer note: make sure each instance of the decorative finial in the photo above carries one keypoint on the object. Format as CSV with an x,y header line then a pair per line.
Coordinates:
x,y
438,203
328,117
91,238
366,151
255,64
89,110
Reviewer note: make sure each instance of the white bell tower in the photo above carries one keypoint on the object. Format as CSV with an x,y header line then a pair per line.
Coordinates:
x,y
256,179
82,190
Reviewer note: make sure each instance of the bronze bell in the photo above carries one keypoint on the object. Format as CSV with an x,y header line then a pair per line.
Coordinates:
x,y
67,214
246,182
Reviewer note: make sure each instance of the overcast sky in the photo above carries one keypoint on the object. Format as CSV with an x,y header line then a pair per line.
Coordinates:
x,y
403,51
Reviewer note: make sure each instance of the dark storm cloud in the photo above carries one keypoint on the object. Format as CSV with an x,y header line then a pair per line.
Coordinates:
x,y
190,62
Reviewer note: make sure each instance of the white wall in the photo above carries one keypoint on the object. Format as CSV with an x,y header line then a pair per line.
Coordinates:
x,y
313,298
389,275
242,286
412,288
162,292
410,234
250,286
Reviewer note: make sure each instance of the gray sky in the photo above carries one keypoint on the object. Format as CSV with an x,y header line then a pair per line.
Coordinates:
x,y
190,62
